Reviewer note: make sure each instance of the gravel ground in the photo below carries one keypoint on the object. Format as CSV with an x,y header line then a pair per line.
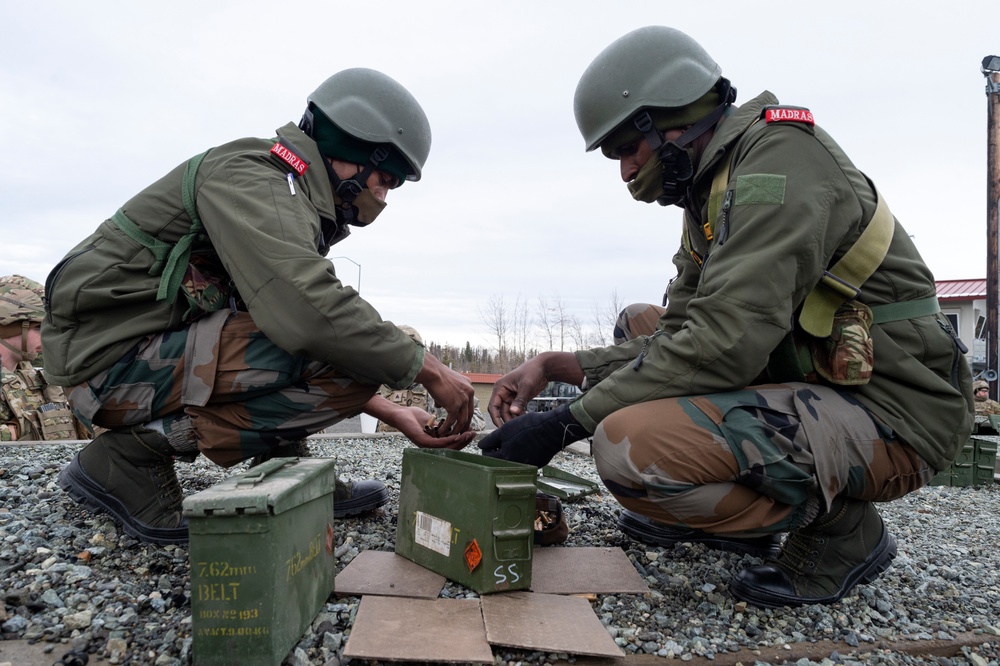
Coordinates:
x,y
71,577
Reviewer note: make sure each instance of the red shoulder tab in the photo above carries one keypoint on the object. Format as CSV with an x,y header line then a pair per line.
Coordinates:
x,y
788,114
289,156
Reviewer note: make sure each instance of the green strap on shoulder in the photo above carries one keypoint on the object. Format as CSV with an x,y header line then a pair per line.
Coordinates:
x,y
719,183
843,280
838,284
170,260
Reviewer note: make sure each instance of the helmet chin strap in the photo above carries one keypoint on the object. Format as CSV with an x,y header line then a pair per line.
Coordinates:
x,y
678,168
23,351
349,189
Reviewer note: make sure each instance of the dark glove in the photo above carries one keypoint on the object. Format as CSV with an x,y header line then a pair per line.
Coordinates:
x,y
534,438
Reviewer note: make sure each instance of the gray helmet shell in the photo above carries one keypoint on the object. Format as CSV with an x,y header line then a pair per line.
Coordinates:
x,y
651,67
373,107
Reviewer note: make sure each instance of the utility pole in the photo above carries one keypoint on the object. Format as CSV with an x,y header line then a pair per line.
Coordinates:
x,y
991,70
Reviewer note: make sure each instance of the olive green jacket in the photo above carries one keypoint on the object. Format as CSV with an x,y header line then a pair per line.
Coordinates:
x,y
270,242
798,205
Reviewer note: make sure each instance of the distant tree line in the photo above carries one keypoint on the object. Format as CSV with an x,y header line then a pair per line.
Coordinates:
x,y
519,331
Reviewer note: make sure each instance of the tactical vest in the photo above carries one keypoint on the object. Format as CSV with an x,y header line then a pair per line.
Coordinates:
x,y
37,410
413,396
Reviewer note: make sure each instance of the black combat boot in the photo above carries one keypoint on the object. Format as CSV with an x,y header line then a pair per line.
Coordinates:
x,y
650,532
823,561
350,498
129,473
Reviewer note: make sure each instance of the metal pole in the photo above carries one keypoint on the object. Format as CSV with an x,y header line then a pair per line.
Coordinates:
x,y
359,270
989,69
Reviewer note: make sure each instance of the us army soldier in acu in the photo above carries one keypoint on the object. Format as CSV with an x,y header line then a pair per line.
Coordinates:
x,y
29,407
204,316
800,371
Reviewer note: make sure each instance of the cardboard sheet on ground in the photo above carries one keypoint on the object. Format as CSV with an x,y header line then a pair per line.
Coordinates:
x,y
433,630
586,570
388,574
546,622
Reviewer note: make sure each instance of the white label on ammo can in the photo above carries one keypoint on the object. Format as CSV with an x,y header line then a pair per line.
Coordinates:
x,y
433,533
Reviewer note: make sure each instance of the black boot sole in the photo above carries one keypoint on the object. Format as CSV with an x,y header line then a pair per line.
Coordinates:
x,y
362,504
82,488
652,533
877,562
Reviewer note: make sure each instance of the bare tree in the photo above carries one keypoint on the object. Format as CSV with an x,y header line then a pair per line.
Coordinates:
x,y
546,322
497,318
520,330
576,332
553,318
605,319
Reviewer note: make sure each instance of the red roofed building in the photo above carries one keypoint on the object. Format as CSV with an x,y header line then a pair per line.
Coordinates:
x,y
964,303
483,383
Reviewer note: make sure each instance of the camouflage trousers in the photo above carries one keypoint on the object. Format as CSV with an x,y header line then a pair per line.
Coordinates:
x,y
766,458
221,387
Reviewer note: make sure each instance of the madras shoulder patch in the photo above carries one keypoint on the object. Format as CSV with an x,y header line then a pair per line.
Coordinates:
x,y
760,188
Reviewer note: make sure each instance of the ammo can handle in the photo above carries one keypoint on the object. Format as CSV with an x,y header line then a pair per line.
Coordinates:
x,y
516,489
262,470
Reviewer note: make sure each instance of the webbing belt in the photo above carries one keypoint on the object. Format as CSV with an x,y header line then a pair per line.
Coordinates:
x,y
922,307
171,261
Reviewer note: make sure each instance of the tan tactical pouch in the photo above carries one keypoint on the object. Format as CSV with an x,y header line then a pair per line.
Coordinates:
x,y
846,356
56,421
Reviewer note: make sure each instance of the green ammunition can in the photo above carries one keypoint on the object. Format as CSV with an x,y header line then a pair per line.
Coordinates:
x,y
262,565
467,517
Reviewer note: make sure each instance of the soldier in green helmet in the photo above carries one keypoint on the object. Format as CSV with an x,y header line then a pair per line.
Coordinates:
x,y
203,316
800,370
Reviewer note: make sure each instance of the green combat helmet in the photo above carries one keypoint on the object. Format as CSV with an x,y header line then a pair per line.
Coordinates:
x,y
21,305
364,117
374,108
651,67
652,80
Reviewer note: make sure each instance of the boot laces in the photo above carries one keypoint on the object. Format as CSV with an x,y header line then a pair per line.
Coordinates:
x,y
800,552
165,476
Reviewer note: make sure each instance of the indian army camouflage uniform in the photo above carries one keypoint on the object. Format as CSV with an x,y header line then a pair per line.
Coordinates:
x,y
209,369
675,443
30,408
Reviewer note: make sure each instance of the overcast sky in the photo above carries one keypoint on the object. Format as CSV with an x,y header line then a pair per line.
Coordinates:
x,y
101,98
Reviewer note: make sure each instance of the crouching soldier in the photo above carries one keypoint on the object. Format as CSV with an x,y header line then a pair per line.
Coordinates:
x,y
801,370
204,317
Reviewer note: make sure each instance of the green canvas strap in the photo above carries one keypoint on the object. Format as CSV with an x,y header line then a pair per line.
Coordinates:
x,y
838,284
170,261
922,307
843,281
719,183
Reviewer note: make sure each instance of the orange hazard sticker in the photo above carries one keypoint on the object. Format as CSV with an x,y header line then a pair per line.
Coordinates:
x,y
473,556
